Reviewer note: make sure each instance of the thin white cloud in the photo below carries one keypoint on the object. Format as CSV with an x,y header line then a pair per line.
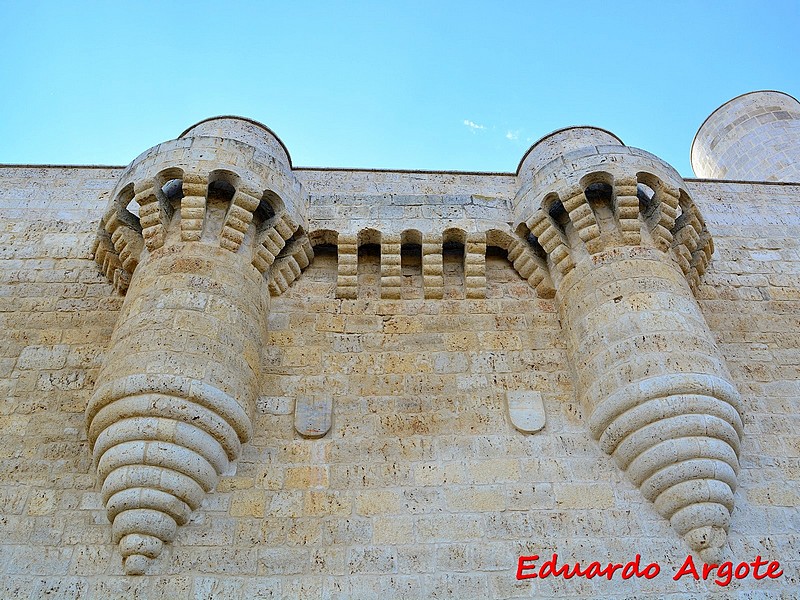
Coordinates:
x,y
472,125
512,135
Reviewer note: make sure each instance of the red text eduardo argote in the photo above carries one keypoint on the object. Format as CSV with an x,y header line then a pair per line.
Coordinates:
x,y
531,567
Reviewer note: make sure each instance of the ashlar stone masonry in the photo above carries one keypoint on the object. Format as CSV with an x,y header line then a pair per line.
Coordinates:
x,y
229,376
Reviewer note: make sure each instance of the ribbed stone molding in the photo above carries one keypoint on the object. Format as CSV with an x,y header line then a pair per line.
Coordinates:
x,y
625,245
220,228
754,137
521,257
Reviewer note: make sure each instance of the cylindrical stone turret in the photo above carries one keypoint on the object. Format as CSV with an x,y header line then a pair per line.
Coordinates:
x,y
625,245
754,137
218,225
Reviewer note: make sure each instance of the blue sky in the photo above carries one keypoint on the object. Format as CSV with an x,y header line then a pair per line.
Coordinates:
x,y
406,85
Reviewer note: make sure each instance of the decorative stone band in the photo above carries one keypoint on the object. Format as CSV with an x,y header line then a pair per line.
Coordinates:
x,y
521,256
475,266
391,274
625,245
347,275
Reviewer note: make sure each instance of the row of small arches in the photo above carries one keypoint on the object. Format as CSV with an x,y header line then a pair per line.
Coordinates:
x,y
456,257
222,185
599,190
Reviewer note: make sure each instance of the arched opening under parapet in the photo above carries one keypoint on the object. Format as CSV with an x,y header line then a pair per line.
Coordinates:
x,y
223,183
649,191
169,189
499,240
324,240
326,254
291,244
538,273
127,209
453,257
268,208
598,188
369,264
557,213
647,203
508,263
499,270
525,233
685,205
688,215
173,191
559,218
496,252
219,197
265,217
411,264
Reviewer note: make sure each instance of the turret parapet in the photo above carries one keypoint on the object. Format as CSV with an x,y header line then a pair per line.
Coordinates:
x,y
593,198
203,188
555,144
754,137
244,130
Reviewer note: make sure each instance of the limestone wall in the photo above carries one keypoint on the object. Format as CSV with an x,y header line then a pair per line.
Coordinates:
x,y
422,488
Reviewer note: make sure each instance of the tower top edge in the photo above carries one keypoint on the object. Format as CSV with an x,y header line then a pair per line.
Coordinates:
x,y
592,134
205,124
732,101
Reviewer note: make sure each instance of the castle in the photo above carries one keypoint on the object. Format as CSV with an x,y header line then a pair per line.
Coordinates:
x,y
228,376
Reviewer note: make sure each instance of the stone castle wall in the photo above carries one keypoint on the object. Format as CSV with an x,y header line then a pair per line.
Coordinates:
x,y
421,485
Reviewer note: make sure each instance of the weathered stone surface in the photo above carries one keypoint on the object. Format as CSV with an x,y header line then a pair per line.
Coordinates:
x,y
526,410
421,488
312,416
752,137
656,390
